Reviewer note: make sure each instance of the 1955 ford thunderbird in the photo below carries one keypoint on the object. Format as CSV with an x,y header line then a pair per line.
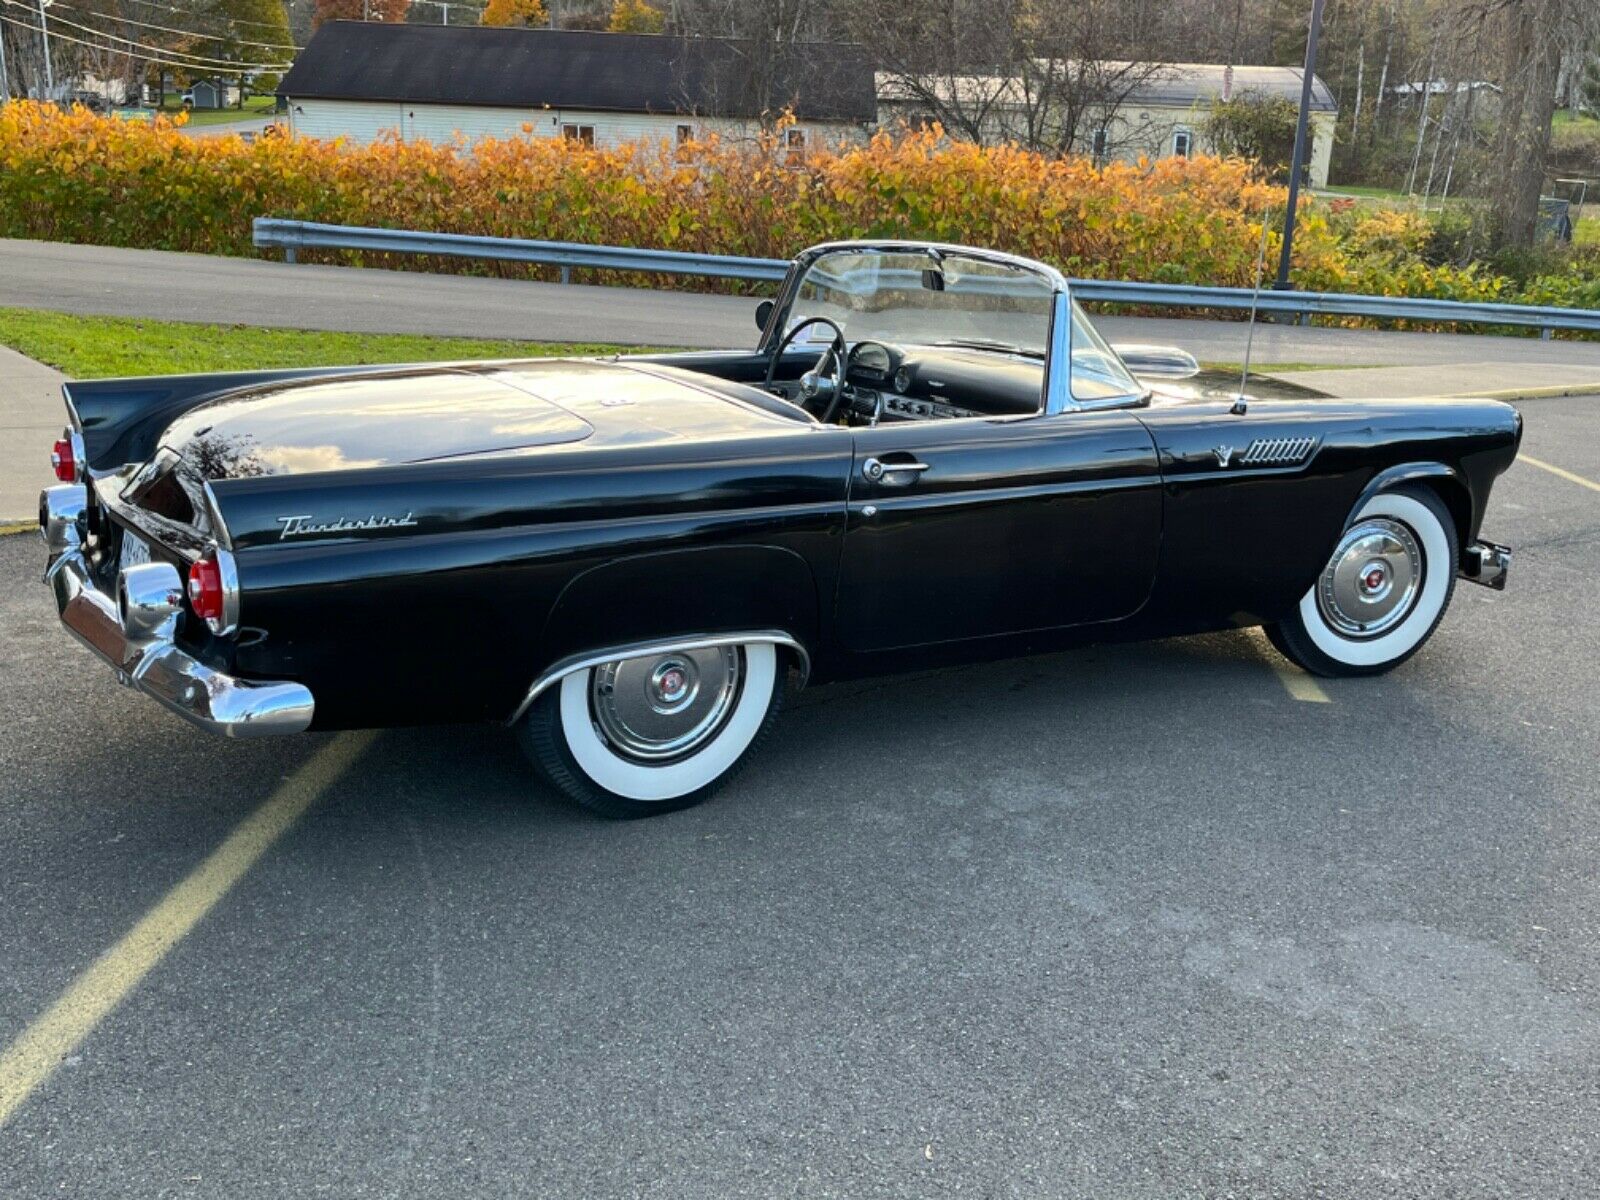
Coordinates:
x,y
930,456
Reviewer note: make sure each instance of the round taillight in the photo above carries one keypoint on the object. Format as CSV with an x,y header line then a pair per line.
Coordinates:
x,y
205,590
63,461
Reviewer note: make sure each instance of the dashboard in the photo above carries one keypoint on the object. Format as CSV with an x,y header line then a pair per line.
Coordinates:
x,y
926,383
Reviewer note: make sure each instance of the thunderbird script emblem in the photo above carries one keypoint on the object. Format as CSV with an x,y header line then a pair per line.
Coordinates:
x,y
1224,455
304,526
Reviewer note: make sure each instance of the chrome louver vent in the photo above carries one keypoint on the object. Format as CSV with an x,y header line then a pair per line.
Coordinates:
x,y
1277,452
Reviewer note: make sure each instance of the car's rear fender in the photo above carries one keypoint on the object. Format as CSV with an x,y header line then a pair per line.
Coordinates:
x,y
670,595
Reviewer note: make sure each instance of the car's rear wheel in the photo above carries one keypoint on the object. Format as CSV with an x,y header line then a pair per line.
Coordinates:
x,y
1383,592
657,732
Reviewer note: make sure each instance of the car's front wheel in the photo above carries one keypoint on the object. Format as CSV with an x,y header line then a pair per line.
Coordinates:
x,y
1382,593
657,732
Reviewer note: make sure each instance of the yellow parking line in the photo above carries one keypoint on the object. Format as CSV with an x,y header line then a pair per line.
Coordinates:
x,y
1296,682
10,527
1300,685
1555,470
62,1028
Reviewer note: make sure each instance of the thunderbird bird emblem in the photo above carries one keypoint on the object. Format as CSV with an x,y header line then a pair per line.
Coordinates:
x,y
1224,455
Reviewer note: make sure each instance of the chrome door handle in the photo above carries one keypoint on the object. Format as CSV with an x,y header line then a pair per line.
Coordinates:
x,y
877,470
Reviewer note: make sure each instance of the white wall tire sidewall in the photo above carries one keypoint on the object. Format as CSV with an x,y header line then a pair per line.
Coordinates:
x,y
636,781
1404,637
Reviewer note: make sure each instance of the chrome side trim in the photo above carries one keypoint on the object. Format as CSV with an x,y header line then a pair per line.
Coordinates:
x,y
215,701
228,568
219,527
701,641
1277,452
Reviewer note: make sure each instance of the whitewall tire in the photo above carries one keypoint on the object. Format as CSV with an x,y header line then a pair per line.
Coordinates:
x,y
654,733
1382,593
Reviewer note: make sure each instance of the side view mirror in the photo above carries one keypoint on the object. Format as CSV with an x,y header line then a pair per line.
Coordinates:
x,y
763,315
1162,362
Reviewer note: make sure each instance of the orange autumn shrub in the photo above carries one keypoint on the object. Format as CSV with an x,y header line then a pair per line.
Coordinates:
x,y
76,177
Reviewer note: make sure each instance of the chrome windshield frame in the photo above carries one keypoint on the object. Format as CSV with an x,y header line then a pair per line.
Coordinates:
x,y
1058,355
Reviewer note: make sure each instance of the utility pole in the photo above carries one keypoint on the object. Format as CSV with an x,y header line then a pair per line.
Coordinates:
x,y
1297,159
5,80
44,32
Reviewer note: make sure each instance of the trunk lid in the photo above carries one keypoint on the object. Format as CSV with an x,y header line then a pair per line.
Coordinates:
x,y
358,423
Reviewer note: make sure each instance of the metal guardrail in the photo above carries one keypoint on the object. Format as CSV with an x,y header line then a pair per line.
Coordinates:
x,y
293,236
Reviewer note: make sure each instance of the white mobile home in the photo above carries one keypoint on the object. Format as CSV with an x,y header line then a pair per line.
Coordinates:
x,y
360,80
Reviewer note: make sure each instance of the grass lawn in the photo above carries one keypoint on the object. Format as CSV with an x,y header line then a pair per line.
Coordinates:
x,y
255,107
1283,368
97,347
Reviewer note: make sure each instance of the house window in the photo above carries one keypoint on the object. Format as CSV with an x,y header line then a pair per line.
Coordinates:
x,y
1183,143
794,141
685,134
579,133
1101,143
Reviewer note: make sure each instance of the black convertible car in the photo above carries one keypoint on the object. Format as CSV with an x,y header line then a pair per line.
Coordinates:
x,y
930,456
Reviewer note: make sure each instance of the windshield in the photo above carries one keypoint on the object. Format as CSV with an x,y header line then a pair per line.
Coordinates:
x,y
926,298
1097,372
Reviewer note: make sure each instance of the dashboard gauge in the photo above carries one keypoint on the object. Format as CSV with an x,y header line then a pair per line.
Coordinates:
x,y
902,379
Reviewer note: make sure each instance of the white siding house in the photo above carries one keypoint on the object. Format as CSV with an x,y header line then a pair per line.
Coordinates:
x,y
1164,114
367,120
440,83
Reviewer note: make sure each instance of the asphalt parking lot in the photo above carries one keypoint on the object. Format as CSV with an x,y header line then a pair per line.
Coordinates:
x,y
1141,921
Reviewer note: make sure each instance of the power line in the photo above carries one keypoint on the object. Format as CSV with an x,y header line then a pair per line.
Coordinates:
x,y
199,60
189,12
213,37
157,58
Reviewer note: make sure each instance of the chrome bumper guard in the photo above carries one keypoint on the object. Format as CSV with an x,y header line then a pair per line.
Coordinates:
x,y
140,647
1486,563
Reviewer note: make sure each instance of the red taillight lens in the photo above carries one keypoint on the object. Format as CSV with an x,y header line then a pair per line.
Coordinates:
x,y
205,589
63,460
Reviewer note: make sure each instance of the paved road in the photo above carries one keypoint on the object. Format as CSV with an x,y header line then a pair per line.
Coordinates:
x,y
1123,922
192,287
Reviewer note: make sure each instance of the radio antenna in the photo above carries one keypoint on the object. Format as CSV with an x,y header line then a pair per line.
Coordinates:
x,y
1239,402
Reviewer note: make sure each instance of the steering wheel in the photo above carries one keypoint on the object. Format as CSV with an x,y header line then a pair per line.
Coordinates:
x,y
815,384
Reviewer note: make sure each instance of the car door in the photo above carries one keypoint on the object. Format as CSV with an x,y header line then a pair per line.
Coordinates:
x,y
972,528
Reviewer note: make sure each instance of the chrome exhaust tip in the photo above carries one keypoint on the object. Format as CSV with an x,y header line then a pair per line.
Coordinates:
x,y
61,517
149,599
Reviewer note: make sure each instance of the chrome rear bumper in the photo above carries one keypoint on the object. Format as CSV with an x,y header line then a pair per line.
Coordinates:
x,y
154,665
1486,563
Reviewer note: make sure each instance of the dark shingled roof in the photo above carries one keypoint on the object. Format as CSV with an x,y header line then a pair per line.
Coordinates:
x,y
605,72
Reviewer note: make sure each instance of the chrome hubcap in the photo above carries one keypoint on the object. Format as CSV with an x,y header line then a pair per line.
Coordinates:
x,y
1370,585
663,706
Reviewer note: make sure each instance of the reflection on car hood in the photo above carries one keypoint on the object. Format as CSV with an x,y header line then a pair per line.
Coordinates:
x,y
1209,386
418,415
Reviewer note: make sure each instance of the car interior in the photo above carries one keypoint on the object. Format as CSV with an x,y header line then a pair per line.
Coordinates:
x,y
872,336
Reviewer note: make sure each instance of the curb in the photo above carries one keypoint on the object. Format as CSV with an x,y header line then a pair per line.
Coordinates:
x,y
1533,393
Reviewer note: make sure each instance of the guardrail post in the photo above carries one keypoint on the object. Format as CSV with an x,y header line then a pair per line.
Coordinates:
x,y
566,274
289,254
1546,333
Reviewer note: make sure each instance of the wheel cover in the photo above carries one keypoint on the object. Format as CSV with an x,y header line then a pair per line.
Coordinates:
x,y
660,707
1372,581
